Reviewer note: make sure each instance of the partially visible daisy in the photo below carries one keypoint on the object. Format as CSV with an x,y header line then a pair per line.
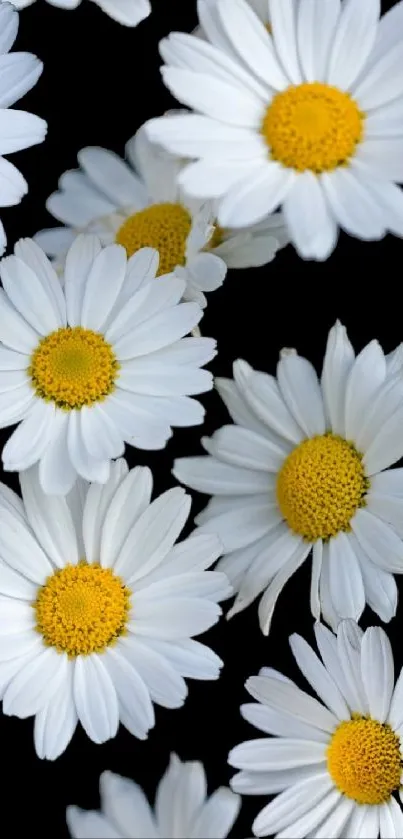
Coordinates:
x,y
337,765
304,470
99,606
19,130
307,116
182,809
138,204
127,12
101,363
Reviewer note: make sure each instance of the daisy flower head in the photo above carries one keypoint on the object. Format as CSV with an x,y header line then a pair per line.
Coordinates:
x,y
182,808
99,606
126,12
336,764
304,470
137,204
96,364
307,116
19,130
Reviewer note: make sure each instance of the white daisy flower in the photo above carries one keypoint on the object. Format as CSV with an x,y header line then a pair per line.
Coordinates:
x,y
309,117
138,204
338,765
98,364
19,130
304,469
182,808
98,606
126,12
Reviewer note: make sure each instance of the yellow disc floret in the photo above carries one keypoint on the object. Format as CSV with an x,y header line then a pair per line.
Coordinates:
x,y
73,367
82,609
320,487
313,126
164,227
364,760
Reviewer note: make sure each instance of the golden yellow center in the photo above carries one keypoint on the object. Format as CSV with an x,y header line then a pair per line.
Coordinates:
x,y
165,227
82,609
73,367
320,486
313,126
364,760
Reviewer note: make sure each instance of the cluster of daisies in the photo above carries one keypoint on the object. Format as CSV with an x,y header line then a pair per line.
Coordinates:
x,y
292,129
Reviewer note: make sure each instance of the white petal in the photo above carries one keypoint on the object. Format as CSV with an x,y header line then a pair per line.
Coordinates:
x,y
349,637
390,820
272,593
346,585
85,824
339,359
8,27
20,550
301,391
217,816
35,684
15,331
353,204
377,161
311,225
316,25
15,585
386,448
387,508
128,14
385,403
158,331
250,40
102,440
55,241
288,698
95,698
353,42
173,617
378,541
30,295
237,407
377,672
395,716
317,550
187,135
210,475
188,657
277,753
33,256
133,695
382,82
56,723
332,827
20,130
366,376
110,174
126,806
244,448
166,686
13,185
56,471
50,519
29,441
256,196
318,677
380,590
327,645
79,261
262,394
310,820
102,287
88,467
97,504
283,21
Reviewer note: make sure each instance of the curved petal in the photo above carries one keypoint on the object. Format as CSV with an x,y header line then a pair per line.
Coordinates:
x,y
95,698
301,391
353,41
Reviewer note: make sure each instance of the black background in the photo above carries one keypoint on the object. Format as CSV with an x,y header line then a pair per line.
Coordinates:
x,y
101,81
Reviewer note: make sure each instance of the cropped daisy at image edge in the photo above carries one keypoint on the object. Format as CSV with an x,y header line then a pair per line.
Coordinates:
x,y
304,471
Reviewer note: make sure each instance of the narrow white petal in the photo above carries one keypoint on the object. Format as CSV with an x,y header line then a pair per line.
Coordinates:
x,y
79,261
288,698
395,716
95,698
35,684
50,519
380,589
317,551
133,695
85,824
166,686
292,804
281,723
353,41
272,593
390,820
318,677
56,723
349,638
217,816
283,20
316,25
96,510
250,40
379,541
377,671
244,448
311,225
266,754
301,391
29,441
33,256
345,578
126,807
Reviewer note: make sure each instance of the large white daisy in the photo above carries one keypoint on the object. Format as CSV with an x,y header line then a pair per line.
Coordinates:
x,y
309,117
337,765
127,12
98,606
98,364
19,72
182,808
304,469
139,204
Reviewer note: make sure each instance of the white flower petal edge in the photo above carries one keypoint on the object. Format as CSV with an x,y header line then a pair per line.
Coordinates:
x,y
126,12
273,494
182,807
100,363
19,130
250,85
129,602
107,192
336,766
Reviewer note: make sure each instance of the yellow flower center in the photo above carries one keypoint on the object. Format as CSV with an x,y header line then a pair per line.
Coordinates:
x,y
164,227
313,126
320,486
73,367
82,609
364,760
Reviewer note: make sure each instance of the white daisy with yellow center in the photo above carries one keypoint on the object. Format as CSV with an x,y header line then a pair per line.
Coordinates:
x,y
182,808
337,765
304,470
139,204
98,364
126,12
99,606
307,116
